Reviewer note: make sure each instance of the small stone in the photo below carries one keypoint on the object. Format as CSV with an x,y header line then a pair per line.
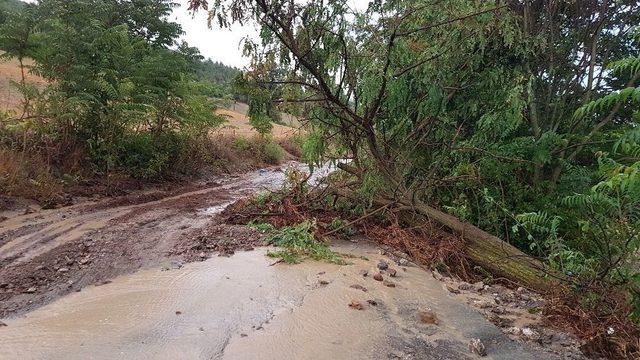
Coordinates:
x,y
392,272
383,265
403,262
178,312
323,282
364,273
201,329
477,347
437,275
464,286
530,333
378,277
322,272
202,255
31,290
372,302
500,322
428,316
63,270
356,305
84,261
513,330
388,284
451,289
479,286
243,335
358,287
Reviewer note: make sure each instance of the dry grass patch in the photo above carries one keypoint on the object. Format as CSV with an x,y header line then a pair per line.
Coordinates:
x,y
27,176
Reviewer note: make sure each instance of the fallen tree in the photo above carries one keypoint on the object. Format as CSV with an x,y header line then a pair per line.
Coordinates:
x,y
488,251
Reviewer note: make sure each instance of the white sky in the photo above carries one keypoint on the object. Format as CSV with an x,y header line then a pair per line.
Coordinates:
x,y
222,45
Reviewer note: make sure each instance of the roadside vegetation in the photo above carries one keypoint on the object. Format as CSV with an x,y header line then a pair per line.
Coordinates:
x,y
513,125
121,97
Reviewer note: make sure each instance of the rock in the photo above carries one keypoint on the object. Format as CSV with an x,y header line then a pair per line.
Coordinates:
x,y
202,255
428,316
358,287
85,261
201,329
477,347
513,331
178,312
372,302
243,335
500,322
437,275
31,290
530,334
63,270
388,283
323,282
364,273
392,272
356,305
403,262
378,277
451,289
383,265
479,286
465,286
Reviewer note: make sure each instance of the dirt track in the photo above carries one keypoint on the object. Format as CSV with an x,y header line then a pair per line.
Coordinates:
x,y
50,253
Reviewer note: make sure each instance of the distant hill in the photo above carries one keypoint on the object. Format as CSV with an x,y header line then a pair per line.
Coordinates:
x,y
216,72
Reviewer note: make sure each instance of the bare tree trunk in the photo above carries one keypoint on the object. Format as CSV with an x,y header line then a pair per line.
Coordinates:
x,y
488,251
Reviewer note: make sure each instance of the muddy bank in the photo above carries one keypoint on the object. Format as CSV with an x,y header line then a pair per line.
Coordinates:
x,y
241,307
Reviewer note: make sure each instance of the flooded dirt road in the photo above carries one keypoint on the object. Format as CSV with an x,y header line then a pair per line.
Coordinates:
x,y
111,280
243,308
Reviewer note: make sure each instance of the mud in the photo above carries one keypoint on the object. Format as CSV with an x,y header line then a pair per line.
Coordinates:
x,y
49,253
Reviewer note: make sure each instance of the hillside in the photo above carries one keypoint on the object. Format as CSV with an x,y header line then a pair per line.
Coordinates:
x,y
238,123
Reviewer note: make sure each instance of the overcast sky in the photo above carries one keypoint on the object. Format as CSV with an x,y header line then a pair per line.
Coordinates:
x,y
218,44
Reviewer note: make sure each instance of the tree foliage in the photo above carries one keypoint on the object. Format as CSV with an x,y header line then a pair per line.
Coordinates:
x,y
485,109
119,83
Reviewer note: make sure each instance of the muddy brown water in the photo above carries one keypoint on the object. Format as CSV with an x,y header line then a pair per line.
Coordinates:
x,y
243,308
240,307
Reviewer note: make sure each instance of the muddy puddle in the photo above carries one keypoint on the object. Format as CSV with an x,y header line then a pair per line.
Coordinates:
x,y
242,307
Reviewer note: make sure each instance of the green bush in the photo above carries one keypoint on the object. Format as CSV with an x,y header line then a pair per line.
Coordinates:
x,y
271,152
